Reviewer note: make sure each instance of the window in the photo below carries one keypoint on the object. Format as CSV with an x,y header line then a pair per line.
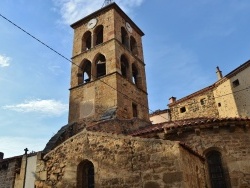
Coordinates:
x,y
86,41
84,73
99,35
183,109
134,108
133,46
236,83
100,66
124,66
125,39
85,175
219,104
203,101
216,171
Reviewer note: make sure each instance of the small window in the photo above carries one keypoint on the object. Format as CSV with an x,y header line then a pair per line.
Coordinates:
x,y
236,83
183,109
135,112
203,101
219,104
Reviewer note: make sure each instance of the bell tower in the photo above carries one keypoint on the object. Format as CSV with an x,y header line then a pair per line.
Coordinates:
x,y
108,75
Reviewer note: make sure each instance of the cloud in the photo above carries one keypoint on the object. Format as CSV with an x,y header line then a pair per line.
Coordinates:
x,y
73,10
45,107
4,61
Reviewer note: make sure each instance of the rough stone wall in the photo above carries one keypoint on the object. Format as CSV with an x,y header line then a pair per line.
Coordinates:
x,y
194,107
119,161
234,145
7,173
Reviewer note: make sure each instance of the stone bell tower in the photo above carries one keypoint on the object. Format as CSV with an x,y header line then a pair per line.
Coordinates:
x,y
108,75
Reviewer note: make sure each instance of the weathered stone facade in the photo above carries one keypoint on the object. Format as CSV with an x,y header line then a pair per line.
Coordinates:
x,y
121,161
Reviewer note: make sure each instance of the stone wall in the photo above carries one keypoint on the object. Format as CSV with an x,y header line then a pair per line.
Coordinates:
x,y
119,161
234,146
194,106
8,170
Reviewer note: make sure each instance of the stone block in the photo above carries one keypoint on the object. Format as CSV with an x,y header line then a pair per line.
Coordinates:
x,y
172,177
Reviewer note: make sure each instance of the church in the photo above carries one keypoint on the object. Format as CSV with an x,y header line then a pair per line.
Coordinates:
x,y
110,140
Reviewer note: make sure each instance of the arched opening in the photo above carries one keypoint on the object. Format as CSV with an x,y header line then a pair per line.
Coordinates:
x,y
84,73
124,66
98,35
100,66
136,78
215,167
85,175
133,46
86,41
125,38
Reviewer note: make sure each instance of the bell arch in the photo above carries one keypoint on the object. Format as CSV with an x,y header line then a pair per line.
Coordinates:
x,y
86,41
124,66
133,46
99,68
98,35
124,37
84,72
136,77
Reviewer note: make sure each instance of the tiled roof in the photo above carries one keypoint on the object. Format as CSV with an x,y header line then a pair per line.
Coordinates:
x,y
190,123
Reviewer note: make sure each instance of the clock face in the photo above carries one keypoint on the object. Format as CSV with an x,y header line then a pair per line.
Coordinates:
x,y
129,28
92,23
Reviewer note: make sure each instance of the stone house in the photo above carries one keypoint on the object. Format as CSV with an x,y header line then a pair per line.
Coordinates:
x,y
109,140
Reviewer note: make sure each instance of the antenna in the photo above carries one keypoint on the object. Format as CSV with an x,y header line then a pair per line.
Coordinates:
x,y
107,2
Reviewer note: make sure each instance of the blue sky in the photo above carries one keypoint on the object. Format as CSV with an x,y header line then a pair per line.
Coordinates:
x,y
184,41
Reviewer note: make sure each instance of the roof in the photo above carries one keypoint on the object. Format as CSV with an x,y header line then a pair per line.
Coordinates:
x,y
108,7
188,124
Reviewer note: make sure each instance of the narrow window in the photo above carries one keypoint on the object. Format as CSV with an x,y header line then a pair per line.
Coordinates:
x,y
183,109
99,35
133,46
236,83
134,108
125,39
203,101
86,175
86,41
124,66
219,104
100,66
216,171
84,74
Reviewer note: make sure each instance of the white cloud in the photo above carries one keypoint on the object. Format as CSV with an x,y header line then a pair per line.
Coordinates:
x,y
45,107
4,61
73,10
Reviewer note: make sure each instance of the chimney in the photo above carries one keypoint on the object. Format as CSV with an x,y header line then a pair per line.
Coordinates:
x,y
1,156
172,100
219,73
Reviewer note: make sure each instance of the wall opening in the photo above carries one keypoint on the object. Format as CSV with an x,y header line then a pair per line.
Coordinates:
x,y
100,66
99,35
86,41
125,38
216,172
135,110
84,73
124,66
133,46
183,109
85,175
236,83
